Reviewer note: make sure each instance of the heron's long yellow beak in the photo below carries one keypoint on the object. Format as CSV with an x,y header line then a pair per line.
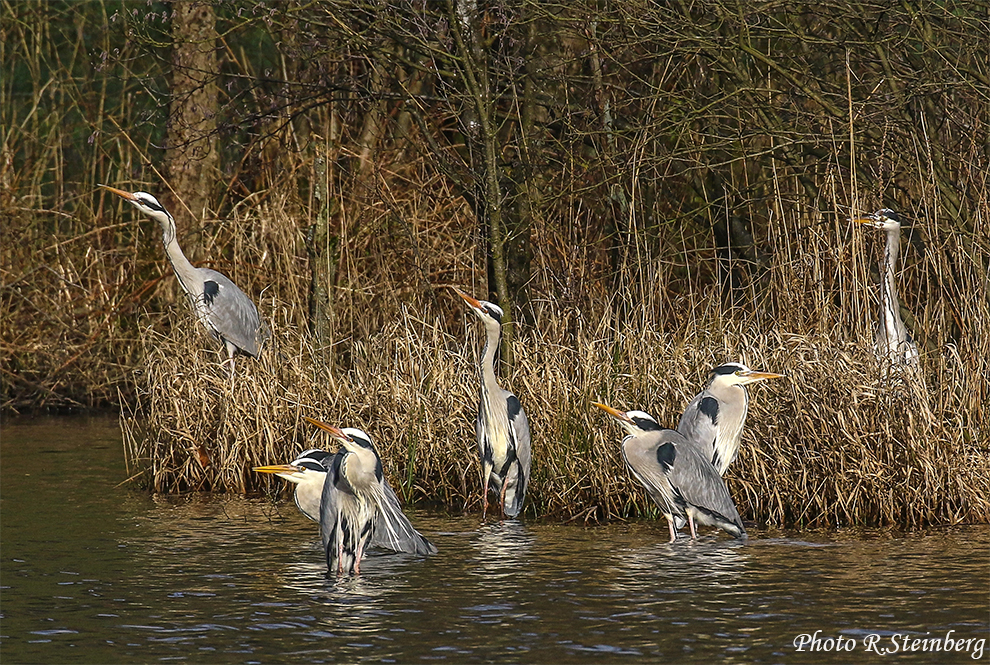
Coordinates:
x,y
762,376
334,432
119,192
615,413
277,468
471,301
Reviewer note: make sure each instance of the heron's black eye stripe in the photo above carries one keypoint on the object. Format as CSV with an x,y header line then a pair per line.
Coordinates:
x,y
312,465
730,368
154,205
646,424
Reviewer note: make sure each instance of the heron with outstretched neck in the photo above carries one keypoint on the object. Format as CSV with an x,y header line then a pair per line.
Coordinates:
x,y
502,428
358,508
713,421
681,481
226,312
893,341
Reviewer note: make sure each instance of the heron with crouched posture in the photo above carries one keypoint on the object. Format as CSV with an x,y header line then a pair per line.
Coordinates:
x,y
358,508
680,480
228,314
893,341
714,419
502,428
307,472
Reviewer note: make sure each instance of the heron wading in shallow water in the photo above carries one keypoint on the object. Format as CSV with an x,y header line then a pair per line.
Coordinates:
x,y
714,419
307,472
358,508
501,427
228,314
679,479
893,341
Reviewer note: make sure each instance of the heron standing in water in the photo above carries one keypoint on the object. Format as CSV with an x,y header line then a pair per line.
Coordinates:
x,y
358,507
223,308
501,427
677,477
893,341
714,419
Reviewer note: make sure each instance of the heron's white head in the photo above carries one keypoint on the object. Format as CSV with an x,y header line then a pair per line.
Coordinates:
x,y
885,219
488,312
737,374
149,205
353,439
634,422
307,467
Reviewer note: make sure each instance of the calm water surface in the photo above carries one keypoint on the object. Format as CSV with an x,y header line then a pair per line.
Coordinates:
x,y
93,573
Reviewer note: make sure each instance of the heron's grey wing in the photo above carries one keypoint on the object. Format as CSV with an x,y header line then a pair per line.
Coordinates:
x,y
699,425
393,529
641,456
231,313
517,477
697,484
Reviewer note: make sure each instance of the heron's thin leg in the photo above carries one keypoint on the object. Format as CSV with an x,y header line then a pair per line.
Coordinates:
x,y
486,471
505,485
673,531
694,535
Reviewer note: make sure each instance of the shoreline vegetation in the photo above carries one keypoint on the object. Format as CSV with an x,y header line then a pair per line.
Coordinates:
x,y
666,198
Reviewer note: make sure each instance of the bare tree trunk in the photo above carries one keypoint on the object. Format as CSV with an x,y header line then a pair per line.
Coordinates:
x,y
466,24
191,155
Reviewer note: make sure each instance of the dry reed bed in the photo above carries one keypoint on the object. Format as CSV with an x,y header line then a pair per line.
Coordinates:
x,y
832,444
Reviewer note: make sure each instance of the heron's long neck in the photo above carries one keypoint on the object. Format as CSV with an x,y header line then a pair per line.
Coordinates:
x,y
488,356
186,273
891,308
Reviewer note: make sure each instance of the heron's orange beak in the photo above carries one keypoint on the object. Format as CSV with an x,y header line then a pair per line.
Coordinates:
x,y
615,413
334,432
277,468
762,376
471,301
119,192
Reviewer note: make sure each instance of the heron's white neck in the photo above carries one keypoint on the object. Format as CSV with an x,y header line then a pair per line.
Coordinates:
x,y
494,331
189,278
892,323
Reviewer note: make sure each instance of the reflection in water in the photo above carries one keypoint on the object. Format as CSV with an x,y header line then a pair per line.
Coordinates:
x,y
94,573
501,550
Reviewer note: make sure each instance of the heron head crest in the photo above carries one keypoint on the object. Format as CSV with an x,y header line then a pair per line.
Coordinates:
x,y
357,436
643,421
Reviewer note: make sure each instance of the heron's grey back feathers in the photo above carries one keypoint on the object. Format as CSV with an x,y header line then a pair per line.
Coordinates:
x,y
680,480
230,314
713,423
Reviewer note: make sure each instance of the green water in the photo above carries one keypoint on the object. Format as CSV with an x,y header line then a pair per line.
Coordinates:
x,y
94,573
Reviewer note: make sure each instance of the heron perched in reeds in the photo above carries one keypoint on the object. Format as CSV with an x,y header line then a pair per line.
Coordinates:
x,y
502,428
358,508
679,479
714,419
225,310
893,341
307,472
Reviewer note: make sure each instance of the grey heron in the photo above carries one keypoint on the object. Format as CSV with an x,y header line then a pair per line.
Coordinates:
x,y
677,477
358,507
714,419
502,428
307,472
893,341
218,303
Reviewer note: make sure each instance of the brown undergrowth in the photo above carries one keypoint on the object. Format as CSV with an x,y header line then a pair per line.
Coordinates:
x,y
832,444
